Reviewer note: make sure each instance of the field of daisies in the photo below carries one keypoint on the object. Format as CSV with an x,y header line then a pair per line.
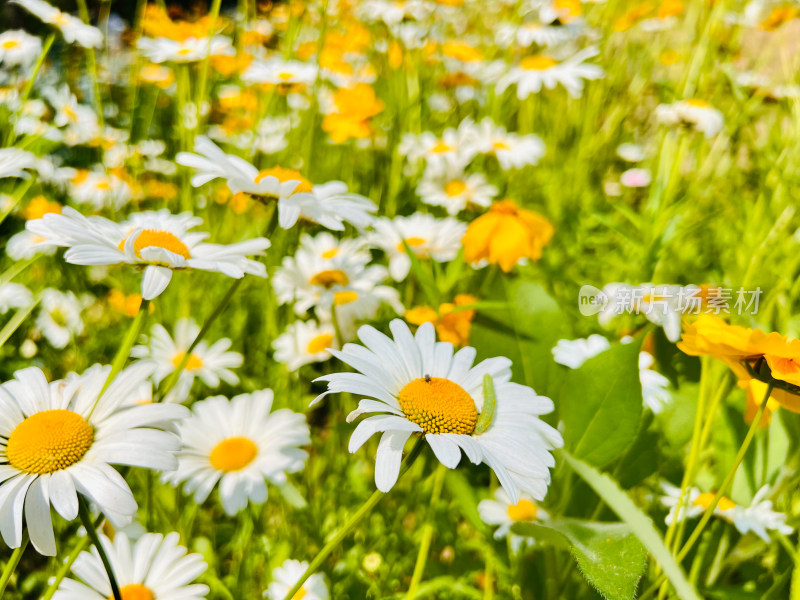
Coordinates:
x,y
399,299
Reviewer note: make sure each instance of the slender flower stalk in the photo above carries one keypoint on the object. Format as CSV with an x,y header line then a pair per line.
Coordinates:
x,y
427,533
91,532
11,565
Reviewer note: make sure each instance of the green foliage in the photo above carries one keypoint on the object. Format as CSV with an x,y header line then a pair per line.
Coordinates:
x,y
610,557
601,405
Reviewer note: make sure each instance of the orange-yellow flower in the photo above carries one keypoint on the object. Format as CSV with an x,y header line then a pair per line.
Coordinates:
x,y
355,106
754,394
451,325
126,305
506,234
40,206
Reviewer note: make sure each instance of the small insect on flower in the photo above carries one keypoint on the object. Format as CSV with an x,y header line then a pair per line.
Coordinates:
x,y
420,386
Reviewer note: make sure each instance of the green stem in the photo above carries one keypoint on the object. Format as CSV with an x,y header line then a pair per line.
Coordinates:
x,y
11,565
201,88
124,351
427,533
172,380
17,268
91,532
728,478
62,572
362,512
91,58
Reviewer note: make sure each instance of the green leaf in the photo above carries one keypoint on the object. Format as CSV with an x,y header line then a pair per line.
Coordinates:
x,y
601,405
463,495
610,557
641,525
424,277
525,330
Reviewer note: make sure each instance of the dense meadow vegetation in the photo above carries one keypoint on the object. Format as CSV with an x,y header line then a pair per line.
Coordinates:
x,y
363,299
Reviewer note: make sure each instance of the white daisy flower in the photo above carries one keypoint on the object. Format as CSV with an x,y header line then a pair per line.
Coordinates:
x,y
57,440
573,353
420,386
695,503
156,240
543,34
79,121
454,190
285,186
73,29
660,304
655,387
241,445
331,205
427,236
534,72
26,245
394,12
455,148
631,152
696,113
288,574
153,567
503,513
192,49
303,343
99,189
14,161
59,318
209,363
277,71
512,150
321,275
18,47
14,296
759,517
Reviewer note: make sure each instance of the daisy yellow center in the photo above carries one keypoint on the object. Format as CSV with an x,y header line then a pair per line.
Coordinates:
x,y
300,594
193,364
329,278
328,254
438,406
284,175
412,241
319,343
134,591
500,145
455,187
49,441
697,103
285,76
705,499
184,52
522,511
233,454
155,238
537,63
347,297
8,44
441,148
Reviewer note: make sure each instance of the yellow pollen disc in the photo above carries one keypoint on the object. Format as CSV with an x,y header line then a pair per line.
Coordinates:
x,y
455,187
184,52
49,441
537,63
193,364
154,238
330,253
705,499
134,591
300,594
8,44
500,145
522,511
320,343
438,406
340,298
233,454
441,148
413,242
697,103
284,175
285,76
329,278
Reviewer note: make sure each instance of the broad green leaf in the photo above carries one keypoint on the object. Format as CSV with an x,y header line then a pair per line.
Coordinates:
x,y
525,330
610,557
463,495
641,525
601,405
